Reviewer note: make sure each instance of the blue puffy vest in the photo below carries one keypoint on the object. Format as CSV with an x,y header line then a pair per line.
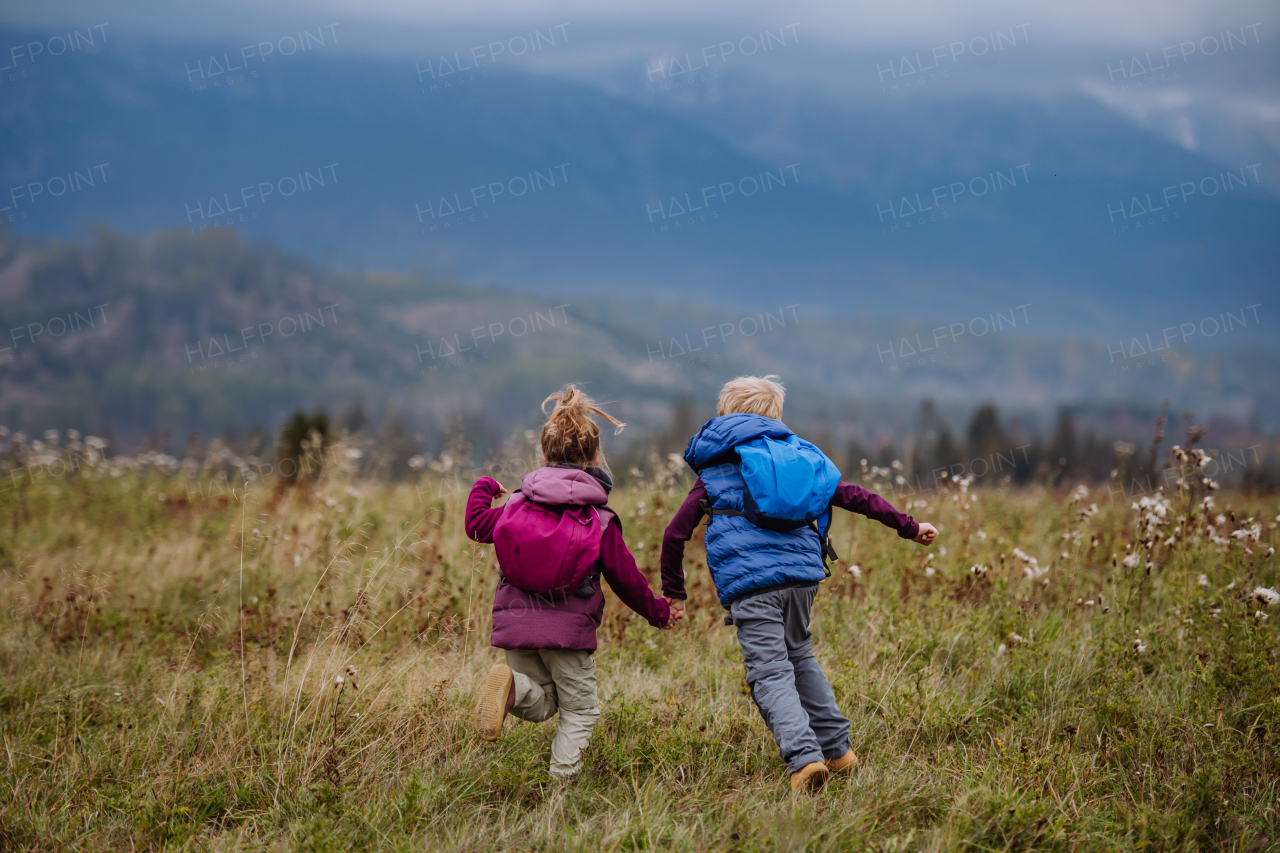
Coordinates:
x,y
743,557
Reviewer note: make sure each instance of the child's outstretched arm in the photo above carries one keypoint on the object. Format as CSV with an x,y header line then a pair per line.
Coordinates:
x,y
857,499
481,518
679,531
626,581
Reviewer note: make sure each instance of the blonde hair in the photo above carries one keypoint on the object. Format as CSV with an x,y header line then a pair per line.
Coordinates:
x,y
753,395
570,435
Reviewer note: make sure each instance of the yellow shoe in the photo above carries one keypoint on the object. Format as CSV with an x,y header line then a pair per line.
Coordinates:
x,y
495,701
811,777
848,761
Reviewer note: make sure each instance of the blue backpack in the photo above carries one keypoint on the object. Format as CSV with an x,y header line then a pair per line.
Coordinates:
x,y
788,483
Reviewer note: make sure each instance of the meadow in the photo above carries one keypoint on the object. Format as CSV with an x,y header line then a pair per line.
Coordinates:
x,y
188,661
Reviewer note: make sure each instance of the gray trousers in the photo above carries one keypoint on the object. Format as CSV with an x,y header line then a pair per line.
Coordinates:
x,y
551,680
788,686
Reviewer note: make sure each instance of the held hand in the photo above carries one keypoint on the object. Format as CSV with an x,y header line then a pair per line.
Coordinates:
x,y
927,534
676,606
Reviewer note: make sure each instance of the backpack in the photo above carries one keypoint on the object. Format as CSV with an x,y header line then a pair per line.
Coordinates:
x,y
787,483
550,550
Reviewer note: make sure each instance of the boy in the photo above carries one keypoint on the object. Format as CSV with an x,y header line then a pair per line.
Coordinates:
x,y
767,578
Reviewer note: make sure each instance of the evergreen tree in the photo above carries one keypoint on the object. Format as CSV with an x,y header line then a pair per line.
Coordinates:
x,y
354,418
300,450
683,426
985,436
946,451
1062,449
920,459
395,446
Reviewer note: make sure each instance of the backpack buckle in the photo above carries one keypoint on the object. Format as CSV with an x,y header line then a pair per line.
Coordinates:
x,y
587,589
828,550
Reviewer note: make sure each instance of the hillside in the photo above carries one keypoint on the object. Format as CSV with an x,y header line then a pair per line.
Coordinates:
x,y
209,332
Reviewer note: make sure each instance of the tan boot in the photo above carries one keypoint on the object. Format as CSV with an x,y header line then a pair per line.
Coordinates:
x,y
495,701
848,761
811,777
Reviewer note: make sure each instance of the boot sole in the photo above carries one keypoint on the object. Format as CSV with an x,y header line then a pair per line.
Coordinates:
x,y
491,709
810,780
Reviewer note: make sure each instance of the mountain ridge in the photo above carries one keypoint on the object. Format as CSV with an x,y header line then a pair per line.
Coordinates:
x,y
212,332
390,148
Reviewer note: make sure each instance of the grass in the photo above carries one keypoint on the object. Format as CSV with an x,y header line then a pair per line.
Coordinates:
x,y
169,660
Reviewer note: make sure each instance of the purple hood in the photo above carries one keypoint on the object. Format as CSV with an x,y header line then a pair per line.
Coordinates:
x,y
563,486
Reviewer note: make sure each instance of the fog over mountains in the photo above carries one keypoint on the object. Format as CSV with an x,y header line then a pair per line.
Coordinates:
x,y
614,163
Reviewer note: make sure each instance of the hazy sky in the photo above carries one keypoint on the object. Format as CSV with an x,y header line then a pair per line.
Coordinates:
x,y
1093,22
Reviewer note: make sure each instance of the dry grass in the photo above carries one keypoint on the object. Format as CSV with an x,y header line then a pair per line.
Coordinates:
x,y
132,719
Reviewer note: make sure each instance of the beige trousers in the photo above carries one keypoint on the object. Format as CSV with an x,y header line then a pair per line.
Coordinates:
x,y
551,680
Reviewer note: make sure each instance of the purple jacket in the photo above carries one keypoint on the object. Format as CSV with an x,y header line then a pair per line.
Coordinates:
x,y
524,621
848,497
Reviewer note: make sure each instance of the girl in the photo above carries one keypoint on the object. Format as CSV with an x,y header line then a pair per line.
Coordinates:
x,y
555,538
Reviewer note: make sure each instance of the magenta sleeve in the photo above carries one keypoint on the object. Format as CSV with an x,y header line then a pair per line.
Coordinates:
x,y
626,580
678,532
859,500
481,518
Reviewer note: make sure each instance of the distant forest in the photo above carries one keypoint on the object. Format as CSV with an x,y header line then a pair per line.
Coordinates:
x,y
172,340
990,451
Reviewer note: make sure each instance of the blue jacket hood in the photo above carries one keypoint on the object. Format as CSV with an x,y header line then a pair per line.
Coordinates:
x,y
720,435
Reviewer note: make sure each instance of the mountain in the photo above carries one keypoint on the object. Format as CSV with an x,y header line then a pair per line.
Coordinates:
x,y
944,206
174,332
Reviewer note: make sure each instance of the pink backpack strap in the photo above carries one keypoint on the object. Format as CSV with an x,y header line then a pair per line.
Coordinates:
x,y
605,515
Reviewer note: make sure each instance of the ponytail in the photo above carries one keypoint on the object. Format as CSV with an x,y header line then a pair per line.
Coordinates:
x,y
570,435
